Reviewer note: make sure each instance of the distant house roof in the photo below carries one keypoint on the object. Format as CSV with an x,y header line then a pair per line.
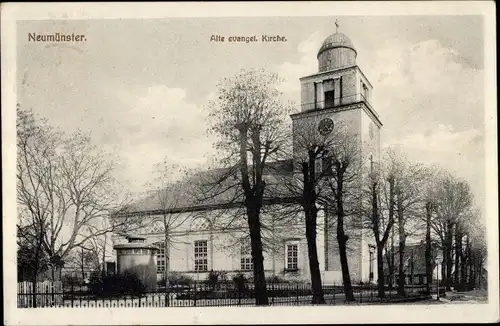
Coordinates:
x,y
413,258
213,189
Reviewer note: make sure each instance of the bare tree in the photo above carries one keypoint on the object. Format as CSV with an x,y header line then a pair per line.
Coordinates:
x,y
344,192
453,201
248,119
470,250
380,211
65,188
31,259
311,157
85,259
35,148
405,180
101,248
171,199
429,211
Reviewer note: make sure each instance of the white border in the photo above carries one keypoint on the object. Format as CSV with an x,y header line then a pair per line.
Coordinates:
x,y
269,315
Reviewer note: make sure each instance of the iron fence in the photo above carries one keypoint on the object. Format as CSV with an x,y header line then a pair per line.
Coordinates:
x,y
221,295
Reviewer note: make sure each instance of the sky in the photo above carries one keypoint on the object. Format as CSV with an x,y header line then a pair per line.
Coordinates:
x,y
140,86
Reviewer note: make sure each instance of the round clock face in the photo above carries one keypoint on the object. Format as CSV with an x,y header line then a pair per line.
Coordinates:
x,y
371,130
325,126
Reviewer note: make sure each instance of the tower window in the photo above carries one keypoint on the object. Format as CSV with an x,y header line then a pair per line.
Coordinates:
x,y
327,166
329,99
329,89
318,167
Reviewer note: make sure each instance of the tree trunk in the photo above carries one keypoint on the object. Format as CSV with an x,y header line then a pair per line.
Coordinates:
x,y
316,287
458,259
273,252
346,278
401,271
472,282
342,242
380,271
428,247
412,268
35,271
342,237
391,259
311,218
464,267
381,242
401,248
167,257
82,263
470,266
479,270
104,267
443,267
448,256
261,298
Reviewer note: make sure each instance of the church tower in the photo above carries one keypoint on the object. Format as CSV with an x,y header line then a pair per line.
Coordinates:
x,y
340,94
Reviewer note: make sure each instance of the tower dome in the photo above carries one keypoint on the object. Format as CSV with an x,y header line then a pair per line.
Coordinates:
x,y
337,51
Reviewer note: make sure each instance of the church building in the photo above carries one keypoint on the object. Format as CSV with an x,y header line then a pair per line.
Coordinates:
x,y
338,92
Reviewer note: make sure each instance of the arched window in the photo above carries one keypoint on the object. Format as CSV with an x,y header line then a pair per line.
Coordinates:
x,y
157,227
200,224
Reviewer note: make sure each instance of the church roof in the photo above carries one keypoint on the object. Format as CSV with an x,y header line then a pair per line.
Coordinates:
x,y
337,40
211,189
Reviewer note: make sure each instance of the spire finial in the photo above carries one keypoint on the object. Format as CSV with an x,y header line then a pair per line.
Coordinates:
x,y
337,25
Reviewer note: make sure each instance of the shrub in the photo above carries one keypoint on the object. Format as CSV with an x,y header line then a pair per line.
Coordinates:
x,y
71,280
117,284
175,278
215,278
276,279
240,282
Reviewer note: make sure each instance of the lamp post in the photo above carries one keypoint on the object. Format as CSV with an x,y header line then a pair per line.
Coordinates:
x,y
439,259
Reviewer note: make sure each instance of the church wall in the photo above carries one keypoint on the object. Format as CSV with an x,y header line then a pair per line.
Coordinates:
x,y
223,246
355,249
370,146
307,95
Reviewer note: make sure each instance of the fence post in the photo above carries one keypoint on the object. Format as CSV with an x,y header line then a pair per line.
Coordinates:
x,y
52,303
361,293
272,293
195,286
33,286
